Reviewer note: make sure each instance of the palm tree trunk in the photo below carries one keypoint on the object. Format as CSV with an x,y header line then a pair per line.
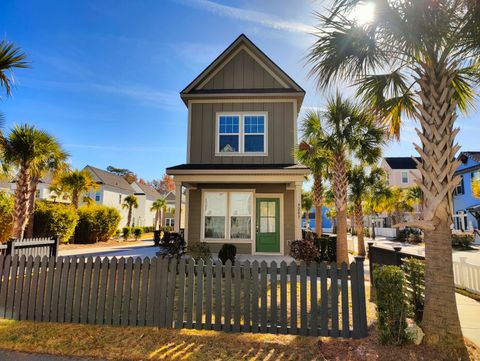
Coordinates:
x,y
157,214
440,319
318,202
129,217
75,199
20,208
359,226
31,207
307,219
340,187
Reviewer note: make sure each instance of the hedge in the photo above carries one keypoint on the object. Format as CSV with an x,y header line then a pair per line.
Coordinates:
x,y
6,220
51,219
96,224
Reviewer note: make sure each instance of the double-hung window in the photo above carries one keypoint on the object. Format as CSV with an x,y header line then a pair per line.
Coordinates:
x,y
241,133
227,215
404,176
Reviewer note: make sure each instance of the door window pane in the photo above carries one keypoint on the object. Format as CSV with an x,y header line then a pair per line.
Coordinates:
x,y
215,210
268,217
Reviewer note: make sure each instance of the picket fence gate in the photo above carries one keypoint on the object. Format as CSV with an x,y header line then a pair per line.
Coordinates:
x,y
314,299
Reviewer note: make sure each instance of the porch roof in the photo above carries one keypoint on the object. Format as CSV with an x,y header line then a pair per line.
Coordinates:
x,y
238,169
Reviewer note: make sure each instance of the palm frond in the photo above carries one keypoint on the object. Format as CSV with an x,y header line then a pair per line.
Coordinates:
x,y
10,57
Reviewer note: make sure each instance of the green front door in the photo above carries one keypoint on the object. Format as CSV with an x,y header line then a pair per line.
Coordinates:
x,y
268,225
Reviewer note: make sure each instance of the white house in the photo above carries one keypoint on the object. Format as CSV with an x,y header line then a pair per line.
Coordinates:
x,y
146,195
112,190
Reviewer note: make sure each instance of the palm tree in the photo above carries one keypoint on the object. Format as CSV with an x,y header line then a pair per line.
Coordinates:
x,y
307,204
129,203
349,132
311,154
10,57
361,182
28,149
53,163
77,183
416,59
160,207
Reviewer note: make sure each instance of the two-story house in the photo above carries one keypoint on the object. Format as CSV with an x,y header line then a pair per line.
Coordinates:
x,y
466,207
168,218
242,183
401,171
146,195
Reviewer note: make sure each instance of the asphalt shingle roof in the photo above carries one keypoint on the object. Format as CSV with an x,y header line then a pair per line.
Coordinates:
x,y
149,190
401,162
103,177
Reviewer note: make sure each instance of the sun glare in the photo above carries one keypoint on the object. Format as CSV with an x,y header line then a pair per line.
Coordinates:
x,y
364,13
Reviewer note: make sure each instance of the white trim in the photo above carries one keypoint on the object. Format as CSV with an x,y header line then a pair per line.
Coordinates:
x,y
187,211
227,238
241,134
224,62
280,196
189,130
178,205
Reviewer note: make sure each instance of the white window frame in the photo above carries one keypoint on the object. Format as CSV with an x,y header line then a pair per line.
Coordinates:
x,y
401,174
227,238
168,222
241,134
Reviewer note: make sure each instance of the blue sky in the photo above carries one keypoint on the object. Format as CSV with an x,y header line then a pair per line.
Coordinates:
x,y
106,75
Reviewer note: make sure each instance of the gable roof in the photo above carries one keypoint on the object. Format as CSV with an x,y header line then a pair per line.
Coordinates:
x,y
288,84
148,190
401,162
473,155
103,177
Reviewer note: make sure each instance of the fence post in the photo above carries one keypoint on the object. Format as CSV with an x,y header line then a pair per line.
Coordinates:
x,y
10,247
370,266
461,271
362,306
397,255
54,247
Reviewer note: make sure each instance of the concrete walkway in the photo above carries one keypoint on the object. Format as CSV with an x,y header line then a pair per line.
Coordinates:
x,y
23,356
469,313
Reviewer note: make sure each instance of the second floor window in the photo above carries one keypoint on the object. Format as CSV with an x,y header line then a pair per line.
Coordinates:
x,y
460,189
97,197
404,176
241,134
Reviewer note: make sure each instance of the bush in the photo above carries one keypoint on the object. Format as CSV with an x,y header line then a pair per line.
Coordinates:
x,y
96,224
389,283
6,220
126,233
227,252
410,235
328,248
462,240
51,219
414,271
304,250
137,232
199,250
148,229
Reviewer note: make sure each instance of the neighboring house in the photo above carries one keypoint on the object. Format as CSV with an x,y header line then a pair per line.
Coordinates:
x,y
242,183
146,195
111,192
326,222
466,207
401,171
168,219
43,190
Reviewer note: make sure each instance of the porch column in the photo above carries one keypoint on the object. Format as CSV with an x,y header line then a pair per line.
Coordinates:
x,y
178,206
298,210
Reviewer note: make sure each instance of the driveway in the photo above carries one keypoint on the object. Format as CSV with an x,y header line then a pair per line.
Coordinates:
x,y
145,249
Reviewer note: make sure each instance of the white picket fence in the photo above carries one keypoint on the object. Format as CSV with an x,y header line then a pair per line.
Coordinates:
x,y
466,275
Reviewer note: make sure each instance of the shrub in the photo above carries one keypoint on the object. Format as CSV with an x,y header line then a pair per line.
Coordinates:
x,y
148,229
328,247
137,232
51,219
118,233
126,233
6,220
199,250
304,250
410,235
391,303
96,224
227,252
462,240
414,270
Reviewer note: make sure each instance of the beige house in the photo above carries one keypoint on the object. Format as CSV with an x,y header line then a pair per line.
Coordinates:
x,y
401,171
143,215
242,185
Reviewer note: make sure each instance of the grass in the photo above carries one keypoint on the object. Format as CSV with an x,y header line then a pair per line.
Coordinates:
x,y
467,293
